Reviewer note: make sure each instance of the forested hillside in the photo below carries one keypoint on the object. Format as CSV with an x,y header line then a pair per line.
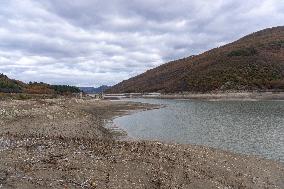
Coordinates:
x,y
8,85
254,62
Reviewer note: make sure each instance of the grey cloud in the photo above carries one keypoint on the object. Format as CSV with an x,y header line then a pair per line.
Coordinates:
x,y
94,42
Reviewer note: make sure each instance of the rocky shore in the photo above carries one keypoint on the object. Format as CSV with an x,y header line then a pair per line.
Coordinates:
x,y
62,143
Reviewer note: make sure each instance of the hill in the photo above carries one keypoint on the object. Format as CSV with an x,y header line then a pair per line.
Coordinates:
x,y
93,90
254,62
8,85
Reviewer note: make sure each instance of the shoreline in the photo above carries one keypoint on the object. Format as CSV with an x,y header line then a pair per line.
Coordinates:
x,y
57,143
122,135
216,95
230,96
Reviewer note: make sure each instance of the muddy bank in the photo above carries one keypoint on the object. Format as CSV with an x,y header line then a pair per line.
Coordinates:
x,y
61,143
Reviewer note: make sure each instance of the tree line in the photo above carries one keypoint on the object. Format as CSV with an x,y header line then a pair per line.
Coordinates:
x,y
8,85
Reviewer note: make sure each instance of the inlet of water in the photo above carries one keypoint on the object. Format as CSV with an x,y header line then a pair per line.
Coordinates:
x,y
250,127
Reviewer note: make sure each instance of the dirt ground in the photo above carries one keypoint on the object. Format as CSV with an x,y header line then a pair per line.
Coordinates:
x,y
61,143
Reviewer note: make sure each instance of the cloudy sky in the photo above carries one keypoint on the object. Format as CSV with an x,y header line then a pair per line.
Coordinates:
x,y
95,42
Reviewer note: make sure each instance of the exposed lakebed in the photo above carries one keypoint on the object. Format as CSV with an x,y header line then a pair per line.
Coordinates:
x,y
249,127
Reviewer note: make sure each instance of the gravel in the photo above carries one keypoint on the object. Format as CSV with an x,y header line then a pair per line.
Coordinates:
x,y
61,143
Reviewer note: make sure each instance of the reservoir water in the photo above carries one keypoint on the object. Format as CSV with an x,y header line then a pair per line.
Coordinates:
x,y
249,127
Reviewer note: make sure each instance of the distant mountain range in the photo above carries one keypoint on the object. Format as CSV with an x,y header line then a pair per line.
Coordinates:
x,y
93,90
254,62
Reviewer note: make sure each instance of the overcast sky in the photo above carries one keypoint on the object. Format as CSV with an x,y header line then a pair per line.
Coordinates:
x,y
95,42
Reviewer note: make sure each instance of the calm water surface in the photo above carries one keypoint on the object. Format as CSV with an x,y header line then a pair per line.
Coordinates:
x,y
250,127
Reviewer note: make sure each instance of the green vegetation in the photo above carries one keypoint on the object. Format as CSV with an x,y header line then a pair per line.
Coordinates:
x,y
279,44
9,86
13,86
23,97
243,52
62,89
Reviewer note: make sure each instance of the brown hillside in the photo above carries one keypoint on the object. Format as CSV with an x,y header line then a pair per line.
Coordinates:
x,y
254,62
8,85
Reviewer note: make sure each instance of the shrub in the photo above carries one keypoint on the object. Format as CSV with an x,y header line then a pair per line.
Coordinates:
x,y
23,97
63,89
243,52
